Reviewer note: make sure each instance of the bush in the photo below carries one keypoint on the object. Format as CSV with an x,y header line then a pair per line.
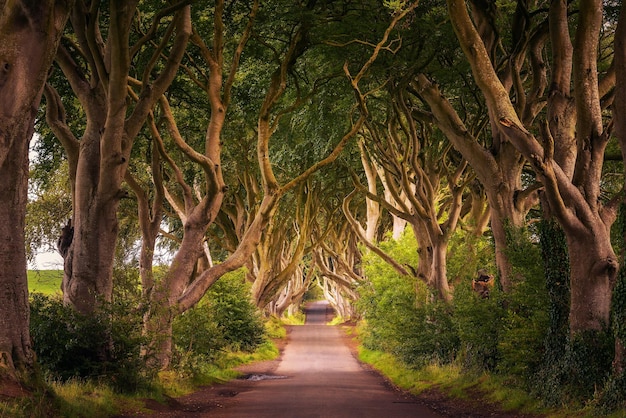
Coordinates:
x,y
401,317
526,322
478,322
104,346
225,319
468,253
506,332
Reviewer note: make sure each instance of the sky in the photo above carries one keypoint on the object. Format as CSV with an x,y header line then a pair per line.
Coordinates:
x,y
47,261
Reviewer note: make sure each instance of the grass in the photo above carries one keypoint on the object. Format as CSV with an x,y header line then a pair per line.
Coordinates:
x,y
450,379
78,398
297,319
274,328
72,399
47,282
455,382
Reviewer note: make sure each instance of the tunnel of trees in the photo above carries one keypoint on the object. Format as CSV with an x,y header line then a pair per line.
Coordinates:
x,y
451,173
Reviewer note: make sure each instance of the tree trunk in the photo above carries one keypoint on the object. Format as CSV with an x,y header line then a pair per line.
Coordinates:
x,y
424,250
574,202
30,32
98,74
619,363
593,267
439,273
499,222
500,174
163,296
15,349
372,208
89,260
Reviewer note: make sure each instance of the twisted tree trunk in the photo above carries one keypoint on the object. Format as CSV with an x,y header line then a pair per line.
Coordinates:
x,y
29,35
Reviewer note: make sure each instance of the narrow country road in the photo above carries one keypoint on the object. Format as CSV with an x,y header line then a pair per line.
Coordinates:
x,y
319,378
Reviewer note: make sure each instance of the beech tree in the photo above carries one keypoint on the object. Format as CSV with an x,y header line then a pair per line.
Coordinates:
x,y
460,113
426,180
198,207
30,33
98,69
338,259
281,251
568,157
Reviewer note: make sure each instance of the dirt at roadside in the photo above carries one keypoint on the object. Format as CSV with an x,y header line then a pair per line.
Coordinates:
x,y
210,398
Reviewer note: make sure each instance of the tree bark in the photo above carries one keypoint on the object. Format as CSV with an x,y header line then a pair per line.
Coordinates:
x,y
30,32
619,115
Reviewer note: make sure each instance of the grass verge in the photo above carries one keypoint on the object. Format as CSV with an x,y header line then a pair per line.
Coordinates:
x,y
81,399
455,382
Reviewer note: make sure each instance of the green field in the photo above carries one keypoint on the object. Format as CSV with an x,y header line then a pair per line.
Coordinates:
x,y
47,282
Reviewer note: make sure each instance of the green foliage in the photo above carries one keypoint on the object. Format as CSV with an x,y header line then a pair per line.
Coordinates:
x,y
613,395
573,367
479,323
274,328
551,376
401,318
589,357
525,323
468,253
48,209
225,319
313,293
104,346
556,264
453,380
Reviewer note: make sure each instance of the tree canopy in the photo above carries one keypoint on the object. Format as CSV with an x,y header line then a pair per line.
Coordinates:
x,y
295,140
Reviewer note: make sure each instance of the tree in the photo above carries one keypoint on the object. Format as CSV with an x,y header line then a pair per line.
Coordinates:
x,y
283,247
98,70
571,183
30,33
426,180
182,286
620,131
460,112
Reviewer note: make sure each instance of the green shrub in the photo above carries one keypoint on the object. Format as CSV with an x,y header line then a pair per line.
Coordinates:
x,y
468,253
613,396
479,323
525,322
104,346
552,375
399,311
225,319
588,363
231,308
506,332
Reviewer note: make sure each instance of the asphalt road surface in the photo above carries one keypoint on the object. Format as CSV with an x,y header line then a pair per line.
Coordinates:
x,y
319,378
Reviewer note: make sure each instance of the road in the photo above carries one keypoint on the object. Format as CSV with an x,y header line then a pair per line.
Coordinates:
x,y
319,378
